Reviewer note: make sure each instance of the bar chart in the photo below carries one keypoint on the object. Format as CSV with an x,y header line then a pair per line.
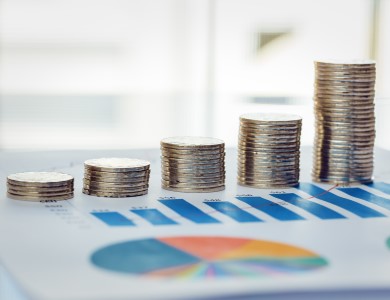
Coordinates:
x,y
306,202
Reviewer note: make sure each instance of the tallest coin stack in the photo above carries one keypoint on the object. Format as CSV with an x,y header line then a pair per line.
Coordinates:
x,y
345,122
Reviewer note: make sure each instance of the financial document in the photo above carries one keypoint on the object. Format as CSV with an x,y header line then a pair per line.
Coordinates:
x,y
315,240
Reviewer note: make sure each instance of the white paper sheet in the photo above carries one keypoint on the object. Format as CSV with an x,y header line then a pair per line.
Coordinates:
x,y
48,248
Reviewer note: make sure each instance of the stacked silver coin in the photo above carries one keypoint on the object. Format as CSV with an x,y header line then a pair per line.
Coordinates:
x,y
193,164
269,150
38,186
116,177
345,122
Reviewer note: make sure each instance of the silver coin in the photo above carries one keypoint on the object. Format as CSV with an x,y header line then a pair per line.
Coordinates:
x,y
264,166
201,185
351,117
38,194
268,180
39,198
195,151
342,179
259,170
269,186
271,150
266,142
347,178
189,160
116,164
343,91
340,85
351,99
345,86
368,75
327,160
354,63
265,162
22,189
337,168
192,156
179,178
66,187
348,147
342,174
113,184
329,127
274,128
270,118
193,190
269,139
104,174
190,142
115,191
256,174
343,104
195,166
347,71
244,151
344,151
192,171
357,144
116,179
40,179
281,131
114,195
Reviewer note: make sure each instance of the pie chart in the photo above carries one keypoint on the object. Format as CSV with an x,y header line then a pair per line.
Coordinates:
x,y
205,257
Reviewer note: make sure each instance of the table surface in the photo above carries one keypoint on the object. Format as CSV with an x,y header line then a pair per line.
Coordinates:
x,y
47,249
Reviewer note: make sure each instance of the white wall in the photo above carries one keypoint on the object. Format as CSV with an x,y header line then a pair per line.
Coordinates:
x,y
167,67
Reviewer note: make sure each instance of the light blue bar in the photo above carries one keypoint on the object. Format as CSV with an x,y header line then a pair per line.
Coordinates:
x,y
271,208
113,218
350,205
316,209
154,216
381,186
233,211
189,211
367,196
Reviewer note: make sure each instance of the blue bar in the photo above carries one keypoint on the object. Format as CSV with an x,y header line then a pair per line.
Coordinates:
x,y
314,208
189,211
273,209
154,216
233,211
367,196
113,218
352,206
381,186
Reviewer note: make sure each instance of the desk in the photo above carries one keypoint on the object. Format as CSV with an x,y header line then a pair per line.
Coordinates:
x,y
298,243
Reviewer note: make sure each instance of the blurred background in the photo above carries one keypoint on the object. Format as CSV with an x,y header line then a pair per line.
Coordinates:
x,y
96,74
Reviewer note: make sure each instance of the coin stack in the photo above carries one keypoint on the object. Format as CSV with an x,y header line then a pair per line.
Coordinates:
x,y
193,164
268,150
38,186
345,122
116,177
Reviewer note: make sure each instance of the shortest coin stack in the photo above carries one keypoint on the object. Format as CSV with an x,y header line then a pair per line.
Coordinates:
x,y
268,150
193,164
116,177
38,186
